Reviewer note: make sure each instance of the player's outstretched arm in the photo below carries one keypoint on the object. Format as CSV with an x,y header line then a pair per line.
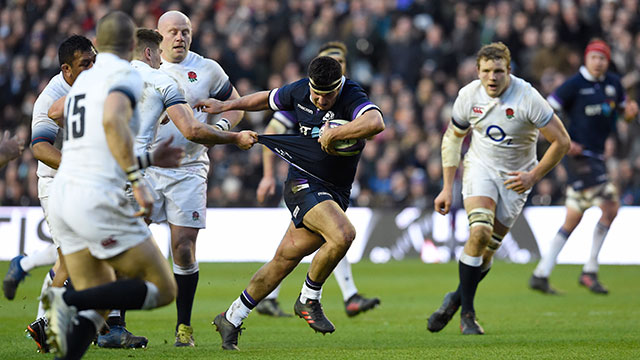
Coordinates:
x,y
233,116
10,147
253,102
194,130
267,185
557,135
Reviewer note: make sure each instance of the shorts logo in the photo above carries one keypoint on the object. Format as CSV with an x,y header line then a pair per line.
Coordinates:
x,y
321,193
108,242
477,110
296,211
193,77
195,216
509,113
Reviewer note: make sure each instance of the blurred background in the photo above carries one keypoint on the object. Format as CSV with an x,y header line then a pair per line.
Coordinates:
x,y
411,56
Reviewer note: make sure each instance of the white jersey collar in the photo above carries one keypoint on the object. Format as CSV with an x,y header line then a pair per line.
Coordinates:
x,y
138,63
587,75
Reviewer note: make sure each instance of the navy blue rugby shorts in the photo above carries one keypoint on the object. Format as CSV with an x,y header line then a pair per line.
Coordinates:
x,y
301,195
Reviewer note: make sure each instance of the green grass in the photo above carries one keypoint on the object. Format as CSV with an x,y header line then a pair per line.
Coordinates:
x,y
519,323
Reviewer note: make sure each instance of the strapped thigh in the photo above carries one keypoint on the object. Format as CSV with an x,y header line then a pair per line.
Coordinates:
x,y
481,217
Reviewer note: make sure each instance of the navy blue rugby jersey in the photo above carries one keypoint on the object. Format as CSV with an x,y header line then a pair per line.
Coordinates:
x,y
295,99
592,106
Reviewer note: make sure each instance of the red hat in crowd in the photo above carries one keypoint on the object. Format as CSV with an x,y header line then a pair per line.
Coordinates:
x,y
599,46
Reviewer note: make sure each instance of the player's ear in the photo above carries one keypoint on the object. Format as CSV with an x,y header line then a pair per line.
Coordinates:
x,y
66,69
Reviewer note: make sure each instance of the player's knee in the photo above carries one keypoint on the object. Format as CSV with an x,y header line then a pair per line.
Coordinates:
x,y
182,252
346,235
480,226
160,294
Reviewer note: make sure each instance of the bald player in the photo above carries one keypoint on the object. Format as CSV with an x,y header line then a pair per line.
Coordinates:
x,y
182,192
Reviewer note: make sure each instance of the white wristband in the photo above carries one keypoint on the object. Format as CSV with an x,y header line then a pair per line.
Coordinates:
x,y
223,124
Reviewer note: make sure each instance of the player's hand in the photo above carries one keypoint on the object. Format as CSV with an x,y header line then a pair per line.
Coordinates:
x,y
211,106
442,202
143,197
266,188
10,147
246,139
326,141
167,156
520,181
630,110
575,149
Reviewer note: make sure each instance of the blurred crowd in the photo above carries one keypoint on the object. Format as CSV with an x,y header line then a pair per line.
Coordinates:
x,y
412,56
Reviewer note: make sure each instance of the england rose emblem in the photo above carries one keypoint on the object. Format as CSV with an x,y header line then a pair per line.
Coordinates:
x,y
509,112
192,76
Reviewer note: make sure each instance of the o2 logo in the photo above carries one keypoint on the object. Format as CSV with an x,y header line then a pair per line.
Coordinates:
x,y
495,133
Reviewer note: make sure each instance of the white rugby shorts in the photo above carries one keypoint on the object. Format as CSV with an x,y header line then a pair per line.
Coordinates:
x,y
479,180
44,184
94,216
180,197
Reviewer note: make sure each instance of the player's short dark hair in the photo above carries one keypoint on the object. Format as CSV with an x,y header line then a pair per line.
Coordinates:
x,y
494,51
147,38
324,71
68,48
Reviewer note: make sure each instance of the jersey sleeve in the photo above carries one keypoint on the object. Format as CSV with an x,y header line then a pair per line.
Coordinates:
x,y
360,105
282,98
563,96
42,127
539,111
460,111
286,118
172,94
221,87
129,82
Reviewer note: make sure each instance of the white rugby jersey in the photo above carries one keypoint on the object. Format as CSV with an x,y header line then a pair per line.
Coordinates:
x,y
42,127
504,129
200,78
85,153
160,92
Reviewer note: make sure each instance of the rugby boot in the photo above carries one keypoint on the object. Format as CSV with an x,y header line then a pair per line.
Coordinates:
x,y
358,304
271,307
37,330
119,337
541,284
60,317
441,317
311,311
228,332
469,325
590,280
184,336
14,275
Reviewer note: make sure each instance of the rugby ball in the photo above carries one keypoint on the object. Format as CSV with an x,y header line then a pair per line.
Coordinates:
x,y
345,147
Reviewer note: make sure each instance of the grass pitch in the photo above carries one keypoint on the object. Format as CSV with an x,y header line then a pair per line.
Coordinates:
x,y
519,323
